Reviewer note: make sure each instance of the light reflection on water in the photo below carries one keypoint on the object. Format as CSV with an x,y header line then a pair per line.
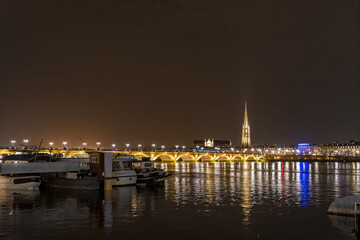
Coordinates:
x,y
295,183
248,197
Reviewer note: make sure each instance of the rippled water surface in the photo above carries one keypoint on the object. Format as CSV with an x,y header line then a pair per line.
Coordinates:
x,y
202,201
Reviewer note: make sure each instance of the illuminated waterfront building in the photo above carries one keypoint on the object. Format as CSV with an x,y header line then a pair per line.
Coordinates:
x,y
246,139
303,148
212,143
352,148
209,143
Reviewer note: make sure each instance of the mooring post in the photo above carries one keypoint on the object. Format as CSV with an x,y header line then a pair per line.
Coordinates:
x,y
108,171
357,219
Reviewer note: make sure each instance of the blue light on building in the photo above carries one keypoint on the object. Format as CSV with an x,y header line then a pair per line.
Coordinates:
x,y
304,148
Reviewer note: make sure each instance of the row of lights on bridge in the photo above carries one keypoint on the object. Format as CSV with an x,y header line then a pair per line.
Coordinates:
x,y
26,141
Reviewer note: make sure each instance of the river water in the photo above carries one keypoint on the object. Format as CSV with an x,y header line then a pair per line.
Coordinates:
x,y
278,200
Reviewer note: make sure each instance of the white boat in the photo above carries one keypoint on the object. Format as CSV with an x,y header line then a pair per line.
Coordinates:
x,y
20,182
123,173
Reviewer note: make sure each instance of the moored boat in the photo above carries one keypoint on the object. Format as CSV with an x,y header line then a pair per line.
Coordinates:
x,y
13,181
148,174
20,182
123,173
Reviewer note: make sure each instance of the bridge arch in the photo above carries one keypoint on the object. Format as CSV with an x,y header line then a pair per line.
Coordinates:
x,y
238,158
205,157
186,157
222,157
251,158
164,156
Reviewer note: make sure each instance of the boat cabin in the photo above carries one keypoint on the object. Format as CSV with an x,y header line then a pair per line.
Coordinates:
x,y
141,164
25,158
119,165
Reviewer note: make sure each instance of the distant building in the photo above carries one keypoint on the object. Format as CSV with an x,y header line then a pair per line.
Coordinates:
x,y
303,148
246,139
212,143
352,148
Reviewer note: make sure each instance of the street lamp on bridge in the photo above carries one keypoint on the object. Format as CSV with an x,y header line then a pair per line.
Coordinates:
x,y
127,146
113,146
98,145
13,142
162,147
153,146
64,143
139,145
177,147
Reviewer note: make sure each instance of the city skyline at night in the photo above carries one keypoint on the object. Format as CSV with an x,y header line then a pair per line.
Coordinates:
x,y
124,72
140,119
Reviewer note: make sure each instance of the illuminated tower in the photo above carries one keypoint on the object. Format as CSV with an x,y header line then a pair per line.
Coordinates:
x,y
246,139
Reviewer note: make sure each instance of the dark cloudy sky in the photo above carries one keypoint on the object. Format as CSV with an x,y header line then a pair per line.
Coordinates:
x,y
168,72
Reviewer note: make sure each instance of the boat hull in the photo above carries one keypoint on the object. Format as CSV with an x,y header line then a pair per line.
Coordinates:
x,y
86,183
20,183
152,179
163,178
124,180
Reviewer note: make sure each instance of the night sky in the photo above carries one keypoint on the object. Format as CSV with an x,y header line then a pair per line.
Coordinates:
x,y
169,72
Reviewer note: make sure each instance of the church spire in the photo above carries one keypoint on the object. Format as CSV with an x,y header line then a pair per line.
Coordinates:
x,y
246,121
246,139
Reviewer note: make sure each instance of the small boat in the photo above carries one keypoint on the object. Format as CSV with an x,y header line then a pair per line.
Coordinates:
x,y
147,174
123,173
344,206
20,182
28,171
